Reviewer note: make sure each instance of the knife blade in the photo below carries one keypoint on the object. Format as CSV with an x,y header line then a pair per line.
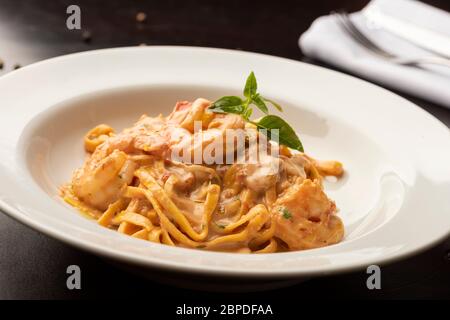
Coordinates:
x,y
425,38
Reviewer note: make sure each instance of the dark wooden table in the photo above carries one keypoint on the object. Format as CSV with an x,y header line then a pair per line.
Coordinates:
x,y
33,266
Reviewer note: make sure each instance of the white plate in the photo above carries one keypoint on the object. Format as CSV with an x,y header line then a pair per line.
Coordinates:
x,y
394,199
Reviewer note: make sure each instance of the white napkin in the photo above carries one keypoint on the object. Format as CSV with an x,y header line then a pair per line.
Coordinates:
x,y
325,40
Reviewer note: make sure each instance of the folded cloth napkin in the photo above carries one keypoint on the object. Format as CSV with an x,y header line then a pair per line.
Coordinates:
x,y
325,40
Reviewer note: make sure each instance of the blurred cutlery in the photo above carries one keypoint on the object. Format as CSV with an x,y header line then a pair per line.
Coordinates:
x,y
352,30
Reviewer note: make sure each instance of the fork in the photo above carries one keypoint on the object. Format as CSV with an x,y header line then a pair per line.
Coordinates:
x,y
352,30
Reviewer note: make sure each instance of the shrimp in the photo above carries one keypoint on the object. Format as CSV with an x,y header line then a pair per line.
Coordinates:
x,y
186,114
305,217
262,175
188,139
100,181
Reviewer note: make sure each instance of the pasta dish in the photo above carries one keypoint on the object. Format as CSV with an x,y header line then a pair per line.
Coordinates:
x,y
131,183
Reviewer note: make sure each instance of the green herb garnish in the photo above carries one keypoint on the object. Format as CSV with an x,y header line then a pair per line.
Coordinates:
x,y
234,104
220,226
286,214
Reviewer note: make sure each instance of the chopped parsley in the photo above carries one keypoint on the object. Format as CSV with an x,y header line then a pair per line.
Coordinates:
x,y
221,226
286,214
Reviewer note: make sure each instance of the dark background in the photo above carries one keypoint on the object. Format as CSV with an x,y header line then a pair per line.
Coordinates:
x,y
33,266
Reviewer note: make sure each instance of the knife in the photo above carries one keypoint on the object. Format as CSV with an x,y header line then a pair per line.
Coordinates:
x,y
427,39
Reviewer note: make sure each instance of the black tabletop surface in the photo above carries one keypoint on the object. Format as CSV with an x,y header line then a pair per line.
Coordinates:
x,y
33,266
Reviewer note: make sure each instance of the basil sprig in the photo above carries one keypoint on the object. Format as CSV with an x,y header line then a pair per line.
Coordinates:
x,y
242,106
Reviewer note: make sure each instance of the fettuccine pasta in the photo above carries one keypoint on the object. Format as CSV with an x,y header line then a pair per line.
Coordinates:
x,y
131,183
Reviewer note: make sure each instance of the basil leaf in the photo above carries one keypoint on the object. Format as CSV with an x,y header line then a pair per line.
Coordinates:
x,y
233,104
286,135
259,102
228,104
247,114
250,86
276,105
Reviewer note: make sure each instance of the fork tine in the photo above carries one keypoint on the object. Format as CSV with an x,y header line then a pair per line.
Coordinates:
x,y
350,28
361,35
348,25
